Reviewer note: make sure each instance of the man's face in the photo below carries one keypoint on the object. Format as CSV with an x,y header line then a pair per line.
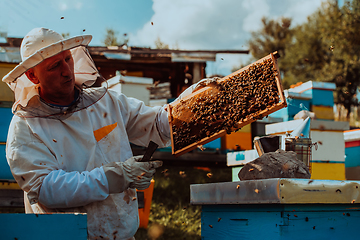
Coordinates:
x,y
56,78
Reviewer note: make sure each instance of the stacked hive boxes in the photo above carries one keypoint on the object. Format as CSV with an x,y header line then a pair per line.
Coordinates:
x,y
322,98
312,96
328,160
328,155
352,153
296,102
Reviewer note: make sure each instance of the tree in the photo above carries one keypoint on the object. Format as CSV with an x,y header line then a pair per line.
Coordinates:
x,y
341,26
160,45
306,54
274,35
111,38
326,48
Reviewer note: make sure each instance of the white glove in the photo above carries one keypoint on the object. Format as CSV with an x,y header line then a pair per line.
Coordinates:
x,y
130,174
204,82
196,86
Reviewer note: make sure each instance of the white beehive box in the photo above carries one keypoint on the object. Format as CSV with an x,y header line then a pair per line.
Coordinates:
x,y
241,157
136,87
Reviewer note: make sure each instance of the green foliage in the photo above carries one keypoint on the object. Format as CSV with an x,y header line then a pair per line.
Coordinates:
x,y
326,48
171,209
111,38
178,223
273,36
306,54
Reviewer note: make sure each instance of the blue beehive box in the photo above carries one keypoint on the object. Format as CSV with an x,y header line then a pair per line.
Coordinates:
x,y
5,173
278,209
321,92
5,119
53,226
6,116
323,97
295,103
215,144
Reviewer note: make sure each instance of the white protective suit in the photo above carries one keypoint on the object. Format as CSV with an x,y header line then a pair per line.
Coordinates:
x,y
58,161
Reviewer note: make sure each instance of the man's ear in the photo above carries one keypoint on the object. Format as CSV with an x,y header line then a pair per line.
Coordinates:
x,y
31,76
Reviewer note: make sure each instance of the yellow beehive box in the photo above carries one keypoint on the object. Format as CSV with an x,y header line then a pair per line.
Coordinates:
x,y
324,170
237,141
323,112
6,94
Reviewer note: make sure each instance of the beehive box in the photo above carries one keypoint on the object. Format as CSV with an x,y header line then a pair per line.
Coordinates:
x,y
234,101
283,208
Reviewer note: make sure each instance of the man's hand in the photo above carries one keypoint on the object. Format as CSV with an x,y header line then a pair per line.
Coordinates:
x,y
130,174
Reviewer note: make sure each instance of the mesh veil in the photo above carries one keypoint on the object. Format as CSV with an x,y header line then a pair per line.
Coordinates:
x,y
29,104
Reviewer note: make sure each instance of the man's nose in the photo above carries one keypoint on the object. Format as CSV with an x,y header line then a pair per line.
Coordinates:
x,y
66,69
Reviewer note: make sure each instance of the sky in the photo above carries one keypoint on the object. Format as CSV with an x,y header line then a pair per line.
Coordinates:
x,y
182,24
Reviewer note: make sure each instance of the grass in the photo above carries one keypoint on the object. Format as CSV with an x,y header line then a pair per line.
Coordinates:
x,y
172,216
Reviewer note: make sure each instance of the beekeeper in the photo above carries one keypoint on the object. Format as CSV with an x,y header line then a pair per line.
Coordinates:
x,y
68,144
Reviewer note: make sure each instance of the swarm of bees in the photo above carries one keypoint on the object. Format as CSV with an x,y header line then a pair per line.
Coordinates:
x,y
238,98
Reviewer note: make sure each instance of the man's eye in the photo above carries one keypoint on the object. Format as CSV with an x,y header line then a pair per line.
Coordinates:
x,y
54,66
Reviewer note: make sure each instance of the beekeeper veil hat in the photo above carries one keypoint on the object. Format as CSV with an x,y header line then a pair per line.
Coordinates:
x,y
40,44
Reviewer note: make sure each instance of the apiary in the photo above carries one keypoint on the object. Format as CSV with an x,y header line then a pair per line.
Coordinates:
x,y
226,105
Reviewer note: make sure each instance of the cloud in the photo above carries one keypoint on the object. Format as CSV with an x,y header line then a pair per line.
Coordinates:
x,y
255,10
300,10
192,24
216,24
67,5
63,6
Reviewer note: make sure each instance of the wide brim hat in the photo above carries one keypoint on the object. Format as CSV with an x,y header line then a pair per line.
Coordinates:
x,y
40,44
